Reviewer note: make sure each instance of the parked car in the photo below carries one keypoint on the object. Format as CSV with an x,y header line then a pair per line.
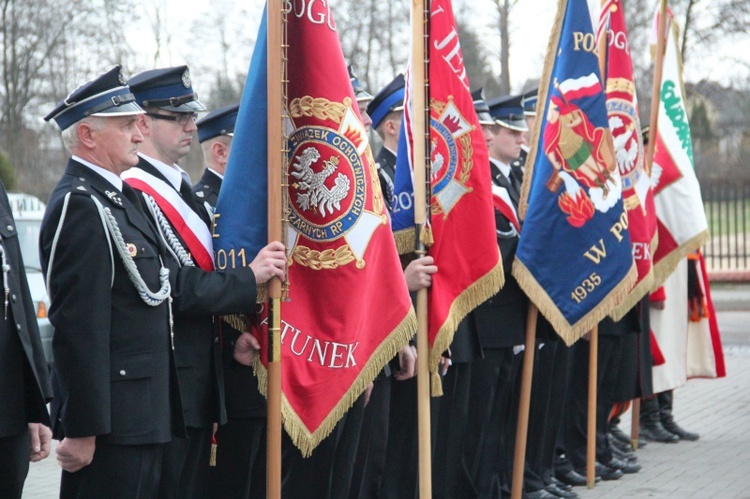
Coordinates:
x,y
28,212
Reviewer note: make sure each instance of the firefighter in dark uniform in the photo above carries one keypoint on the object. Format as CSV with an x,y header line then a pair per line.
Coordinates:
x,y
215,132
451,476
240,467
386,111
113,290
500,321
167,127
24,380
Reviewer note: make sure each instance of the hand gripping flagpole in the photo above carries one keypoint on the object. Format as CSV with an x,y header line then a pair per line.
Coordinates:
x,y
276,165
420,75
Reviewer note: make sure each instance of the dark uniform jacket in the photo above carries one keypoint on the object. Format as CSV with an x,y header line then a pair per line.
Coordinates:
x,y
500,320
206,190
24,378
241,396
197,346
113,357
387,163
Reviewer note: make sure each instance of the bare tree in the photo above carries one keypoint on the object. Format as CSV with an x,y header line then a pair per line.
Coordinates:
x,y
503,11
48,46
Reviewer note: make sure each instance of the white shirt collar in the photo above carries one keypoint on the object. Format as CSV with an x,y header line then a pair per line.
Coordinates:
x,y
102,172
505,169
172,173
215,173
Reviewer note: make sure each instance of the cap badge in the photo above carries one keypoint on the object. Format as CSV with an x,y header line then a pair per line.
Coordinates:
x,y
186,78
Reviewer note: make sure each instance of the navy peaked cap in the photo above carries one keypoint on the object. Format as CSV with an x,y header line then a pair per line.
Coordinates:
x,y
105,95
481,107
168,88
529,101
389,99
360,93
508,112
217,122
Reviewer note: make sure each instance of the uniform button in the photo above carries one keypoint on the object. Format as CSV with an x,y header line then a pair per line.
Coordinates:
x,y
10,228
216,340
13,298
18,326
122,372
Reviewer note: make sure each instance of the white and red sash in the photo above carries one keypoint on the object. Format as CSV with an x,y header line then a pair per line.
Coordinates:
x,y
503,204
191,228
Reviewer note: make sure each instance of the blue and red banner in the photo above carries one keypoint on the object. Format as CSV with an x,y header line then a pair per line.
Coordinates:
x,y
574,257
349,310
461,220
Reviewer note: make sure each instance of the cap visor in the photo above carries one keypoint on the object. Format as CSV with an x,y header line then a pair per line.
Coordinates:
x,y
518,125
123,110
194,106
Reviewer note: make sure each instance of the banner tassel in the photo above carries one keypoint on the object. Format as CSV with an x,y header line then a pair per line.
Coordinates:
x,y
437,385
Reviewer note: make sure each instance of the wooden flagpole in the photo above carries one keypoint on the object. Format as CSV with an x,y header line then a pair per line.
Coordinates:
x,y
591,429
661,45
276,148
421,135
519,458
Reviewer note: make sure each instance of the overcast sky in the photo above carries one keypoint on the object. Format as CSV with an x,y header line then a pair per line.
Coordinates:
x,y
531,22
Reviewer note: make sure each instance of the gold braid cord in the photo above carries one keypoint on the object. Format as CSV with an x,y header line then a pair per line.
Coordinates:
x,y
326,259
320,108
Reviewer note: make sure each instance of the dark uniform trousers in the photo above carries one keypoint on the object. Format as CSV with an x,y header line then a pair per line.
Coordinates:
x,y
451,477
115,369
240,470
493,399
24,379
608,360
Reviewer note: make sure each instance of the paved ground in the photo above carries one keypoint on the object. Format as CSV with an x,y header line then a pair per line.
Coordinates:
x,y
716,466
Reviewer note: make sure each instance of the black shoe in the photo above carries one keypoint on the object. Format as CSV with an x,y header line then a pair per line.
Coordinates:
x,y
673,427
564,486
618,444
619,435
624,455
624,466
655,432
607,473
558,492
572,478
642,443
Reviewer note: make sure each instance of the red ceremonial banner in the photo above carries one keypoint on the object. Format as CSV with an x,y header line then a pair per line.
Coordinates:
x,y
462,220
349,310
622,110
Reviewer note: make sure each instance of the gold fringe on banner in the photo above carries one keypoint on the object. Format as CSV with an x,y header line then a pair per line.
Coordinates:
x,y
305,440
668,264
404,240
237,321
481,290
570,333
436,383
641,289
